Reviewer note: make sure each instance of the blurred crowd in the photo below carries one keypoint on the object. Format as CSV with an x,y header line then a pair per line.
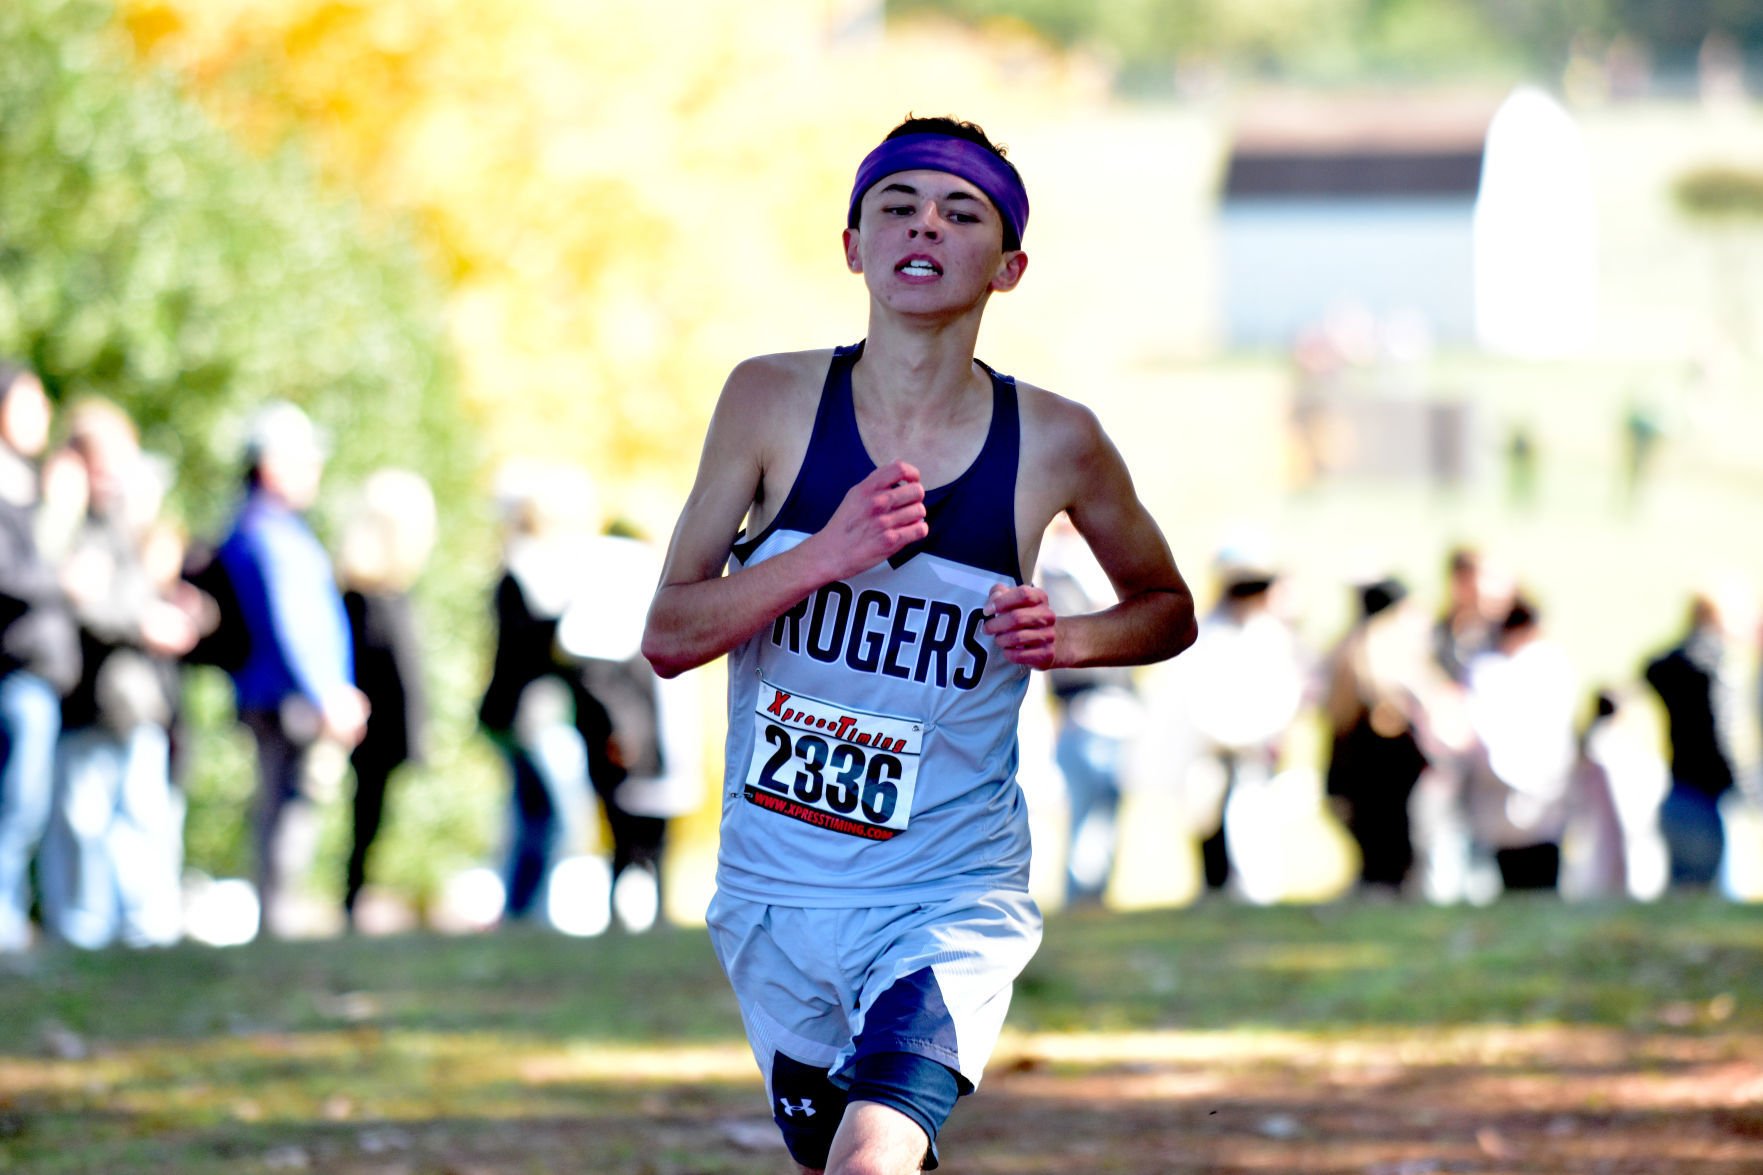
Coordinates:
x,y
1458,749
105,602
1460,755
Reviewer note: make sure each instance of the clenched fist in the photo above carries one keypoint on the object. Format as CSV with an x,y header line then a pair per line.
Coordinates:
x,y
1021,622
879,516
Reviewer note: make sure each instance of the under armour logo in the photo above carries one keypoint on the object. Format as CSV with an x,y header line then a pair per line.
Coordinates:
x,y
807,1107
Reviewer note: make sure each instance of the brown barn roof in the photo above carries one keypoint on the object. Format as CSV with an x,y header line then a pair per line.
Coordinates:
x,y
1364,145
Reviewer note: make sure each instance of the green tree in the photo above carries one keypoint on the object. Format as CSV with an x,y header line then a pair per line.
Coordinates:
x,y
145,257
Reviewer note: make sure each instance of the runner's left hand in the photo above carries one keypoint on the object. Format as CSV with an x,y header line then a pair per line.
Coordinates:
x,y
1021,622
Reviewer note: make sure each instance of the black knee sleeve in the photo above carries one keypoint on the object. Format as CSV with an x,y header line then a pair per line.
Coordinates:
x,y
807,1107
920,1088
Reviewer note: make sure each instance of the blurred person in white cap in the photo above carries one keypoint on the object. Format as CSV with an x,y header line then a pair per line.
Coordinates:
x,y
1098,716
1243,685
296,684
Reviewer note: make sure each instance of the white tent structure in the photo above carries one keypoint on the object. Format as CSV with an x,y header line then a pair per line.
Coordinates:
x,y
1536,266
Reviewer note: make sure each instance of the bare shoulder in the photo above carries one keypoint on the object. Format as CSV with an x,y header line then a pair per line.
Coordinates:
x,y
777,381
769,404
1061,440
767,401
1070,465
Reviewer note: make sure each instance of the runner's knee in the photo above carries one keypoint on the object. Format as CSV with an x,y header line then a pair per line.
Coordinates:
x,y
918,1087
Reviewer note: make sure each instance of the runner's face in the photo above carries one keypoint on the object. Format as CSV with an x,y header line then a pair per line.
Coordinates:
x,y
930,240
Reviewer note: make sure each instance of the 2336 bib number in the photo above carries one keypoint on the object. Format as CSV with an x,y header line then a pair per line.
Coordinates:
x,y
836,768
840,774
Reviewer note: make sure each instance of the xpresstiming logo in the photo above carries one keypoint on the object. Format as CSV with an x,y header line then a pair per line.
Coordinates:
x,y
843,770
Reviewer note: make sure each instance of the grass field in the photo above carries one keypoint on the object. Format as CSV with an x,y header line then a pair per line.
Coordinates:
x,y
1381,1039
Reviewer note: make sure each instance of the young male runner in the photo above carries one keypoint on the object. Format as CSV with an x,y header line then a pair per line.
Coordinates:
x,y
872,905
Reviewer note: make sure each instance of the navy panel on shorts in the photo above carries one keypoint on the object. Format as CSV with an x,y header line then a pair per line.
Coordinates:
x,y
911,1017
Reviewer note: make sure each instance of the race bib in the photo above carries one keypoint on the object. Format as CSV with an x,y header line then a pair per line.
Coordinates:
x,y
835,768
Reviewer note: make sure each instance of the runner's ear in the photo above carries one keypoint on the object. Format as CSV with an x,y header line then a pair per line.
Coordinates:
x,y
1010,271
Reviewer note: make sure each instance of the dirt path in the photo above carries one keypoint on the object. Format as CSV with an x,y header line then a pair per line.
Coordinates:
x,y
1523,1102
1493,1101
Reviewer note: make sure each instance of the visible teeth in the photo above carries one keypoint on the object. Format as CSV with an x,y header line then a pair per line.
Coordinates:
x,y
918,268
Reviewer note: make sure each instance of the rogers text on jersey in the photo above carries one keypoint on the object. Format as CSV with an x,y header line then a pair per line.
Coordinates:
x,y
908,637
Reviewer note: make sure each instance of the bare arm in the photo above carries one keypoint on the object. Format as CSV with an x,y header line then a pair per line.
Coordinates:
x,y
1154,618
699,613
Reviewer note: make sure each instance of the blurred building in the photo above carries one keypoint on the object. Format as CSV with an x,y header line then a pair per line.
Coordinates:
x,y
1361,235
1468,217
1368,203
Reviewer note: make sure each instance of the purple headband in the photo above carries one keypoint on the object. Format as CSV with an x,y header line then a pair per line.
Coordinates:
x,y
986,170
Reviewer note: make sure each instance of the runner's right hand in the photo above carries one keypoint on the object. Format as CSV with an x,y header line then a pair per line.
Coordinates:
x,y
879,516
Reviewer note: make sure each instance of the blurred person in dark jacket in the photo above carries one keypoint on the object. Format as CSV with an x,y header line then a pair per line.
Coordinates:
x,y
528,708
110,857
385,544
39,651
296,687
1695,681
1373,704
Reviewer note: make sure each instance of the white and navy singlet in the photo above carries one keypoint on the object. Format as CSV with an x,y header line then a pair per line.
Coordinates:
x,y
871,753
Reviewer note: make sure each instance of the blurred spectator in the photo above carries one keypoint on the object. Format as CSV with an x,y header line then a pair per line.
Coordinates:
x,y
1374,708
1622,748
1642,431
386,543
1594,844
1097,716
1478,596
640,740
111,856
39,651
1521,467
1695,683
296,684
1521,704
527,706
1244,683
164,550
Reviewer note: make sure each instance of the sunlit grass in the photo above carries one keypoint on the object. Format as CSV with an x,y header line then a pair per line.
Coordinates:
x,y
360,1055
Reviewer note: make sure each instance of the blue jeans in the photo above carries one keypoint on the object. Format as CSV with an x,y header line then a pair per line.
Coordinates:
x,y
1091,764
1694,835
30,722
549,777
112,853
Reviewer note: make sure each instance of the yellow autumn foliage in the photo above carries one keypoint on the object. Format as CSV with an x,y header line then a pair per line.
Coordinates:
x,y
624,199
